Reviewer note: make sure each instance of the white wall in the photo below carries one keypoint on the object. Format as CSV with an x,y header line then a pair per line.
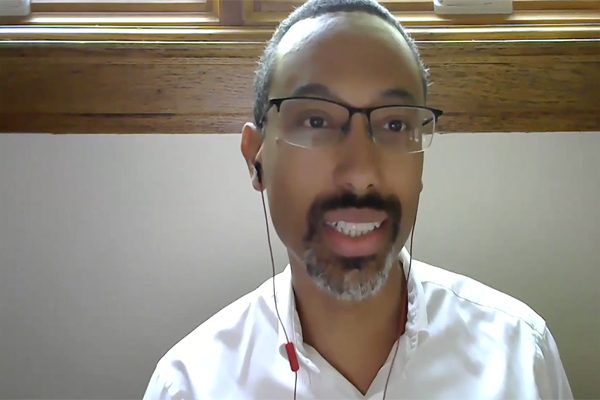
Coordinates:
x,y
114,247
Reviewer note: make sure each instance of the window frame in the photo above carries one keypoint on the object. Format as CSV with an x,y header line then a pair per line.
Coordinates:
x,y
90,14
421,13
242,20
115,6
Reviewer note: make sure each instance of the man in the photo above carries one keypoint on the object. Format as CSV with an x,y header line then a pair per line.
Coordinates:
x,y
337,145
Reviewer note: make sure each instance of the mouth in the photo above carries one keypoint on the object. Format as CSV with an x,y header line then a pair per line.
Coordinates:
x,y
354,229
355,239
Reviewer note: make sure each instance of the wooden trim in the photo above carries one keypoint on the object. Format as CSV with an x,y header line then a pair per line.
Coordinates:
x,y
230,13
115,6
206,87
565,5
99,20
412,13
536,70
426,6
133,14
212,32
416,19
421,13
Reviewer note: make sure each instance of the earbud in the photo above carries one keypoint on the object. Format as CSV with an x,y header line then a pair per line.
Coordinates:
x,y
258,168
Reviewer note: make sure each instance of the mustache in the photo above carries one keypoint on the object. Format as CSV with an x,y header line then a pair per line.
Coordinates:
x,y
391,205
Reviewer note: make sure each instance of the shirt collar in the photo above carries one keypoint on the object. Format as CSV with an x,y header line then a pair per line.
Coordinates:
x,y
416,326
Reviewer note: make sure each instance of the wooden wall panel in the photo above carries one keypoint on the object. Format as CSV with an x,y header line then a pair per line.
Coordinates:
x,y
207,88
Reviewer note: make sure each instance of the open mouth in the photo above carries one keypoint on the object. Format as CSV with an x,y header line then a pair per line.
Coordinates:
x,y
355,239
354,229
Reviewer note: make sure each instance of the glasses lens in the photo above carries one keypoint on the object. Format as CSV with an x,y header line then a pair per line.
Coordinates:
x,y
408,128
311,123
315,123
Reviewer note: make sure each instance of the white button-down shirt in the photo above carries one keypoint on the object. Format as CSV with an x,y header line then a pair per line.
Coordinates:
x,y
463,340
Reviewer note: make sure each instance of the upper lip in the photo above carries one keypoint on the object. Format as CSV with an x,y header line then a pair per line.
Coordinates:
x,y
355,215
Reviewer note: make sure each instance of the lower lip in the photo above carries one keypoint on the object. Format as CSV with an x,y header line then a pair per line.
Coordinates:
x,y
359,246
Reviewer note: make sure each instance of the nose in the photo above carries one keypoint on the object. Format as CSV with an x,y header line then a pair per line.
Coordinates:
x,y
358,168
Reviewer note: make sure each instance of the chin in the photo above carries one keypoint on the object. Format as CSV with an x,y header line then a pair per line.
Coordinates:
x,y
350,279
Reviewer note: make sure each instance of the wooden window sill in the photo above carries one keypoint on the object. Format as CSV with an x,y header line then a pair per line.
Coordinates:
x,y
243,20
212,32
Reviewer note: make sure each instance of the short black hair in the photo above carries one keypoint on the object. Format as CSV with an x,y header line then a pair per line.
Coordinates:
x,y
313,9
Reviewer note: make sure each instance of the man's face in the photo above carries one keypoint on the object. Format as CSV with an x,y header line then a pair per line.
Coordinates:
x,y
346,209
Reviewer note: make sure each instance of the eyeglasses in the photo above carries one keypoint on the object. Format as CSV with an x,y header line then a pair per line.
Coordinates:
x,y
314,122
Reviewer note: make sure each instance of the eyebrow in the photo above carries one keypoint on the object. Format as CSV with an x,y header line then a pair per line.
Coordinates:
x,y
399,93
313,89
320,90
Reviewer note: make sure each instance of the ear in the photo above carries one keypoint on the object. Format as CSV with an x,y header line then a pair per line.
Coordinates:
x,y
251,145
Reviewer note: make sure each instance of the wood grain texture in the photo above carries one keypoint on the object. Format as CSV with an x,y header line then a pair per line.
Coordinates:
x,y
207,88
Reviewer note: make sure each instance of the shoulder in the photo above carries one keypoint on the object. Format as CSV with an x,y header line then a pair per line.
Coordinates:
x,y
225,327
209,349
490,330
443,289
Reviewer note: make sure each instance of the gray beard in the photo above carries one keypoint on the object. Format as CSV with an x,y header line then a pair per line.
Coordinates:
x,y
349,288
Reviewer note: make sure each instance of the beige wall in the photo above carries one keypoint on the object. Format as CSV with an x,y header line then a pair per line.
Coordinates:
x,y
114,247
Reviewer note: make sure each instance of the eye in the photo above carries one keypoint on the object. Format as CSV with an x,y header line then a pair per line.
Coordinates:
x,y
396,125
315,122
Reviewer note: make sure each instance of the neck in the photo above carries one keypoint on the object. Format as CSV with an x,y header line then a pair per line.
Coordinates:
x,y
354,337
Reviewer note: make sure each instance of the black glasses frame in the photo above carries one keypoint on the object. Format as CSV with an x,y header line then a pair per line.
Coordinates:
x,y
351,110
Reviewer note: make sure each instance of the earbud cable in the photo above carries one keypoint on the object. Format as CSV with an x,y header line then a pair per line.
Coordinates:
x,y
289,346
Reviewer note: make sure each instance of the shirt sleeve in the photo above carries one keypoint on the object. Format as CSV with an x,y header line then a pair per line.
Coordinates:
x,y
550,375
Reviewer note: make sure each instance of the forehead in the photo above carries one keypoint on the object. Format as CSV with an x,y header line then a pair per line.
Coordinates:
x,y
357,56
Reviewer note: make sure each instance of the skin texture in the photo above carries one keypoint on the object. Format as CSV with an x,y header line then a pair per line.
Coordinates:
x,y
358,57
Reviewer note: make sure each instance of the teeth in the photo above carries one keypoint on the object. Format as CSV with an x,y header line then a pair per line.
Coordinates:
x,y
354,229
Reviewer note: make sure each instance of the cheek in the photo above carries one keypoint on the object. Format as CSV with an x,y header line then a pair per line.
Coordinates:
x,y
404,176
291,192
409,213
403,172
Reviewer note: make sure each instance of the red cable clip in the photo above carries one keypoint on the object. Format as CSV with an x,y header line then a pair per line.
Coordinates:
x,y
292,358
